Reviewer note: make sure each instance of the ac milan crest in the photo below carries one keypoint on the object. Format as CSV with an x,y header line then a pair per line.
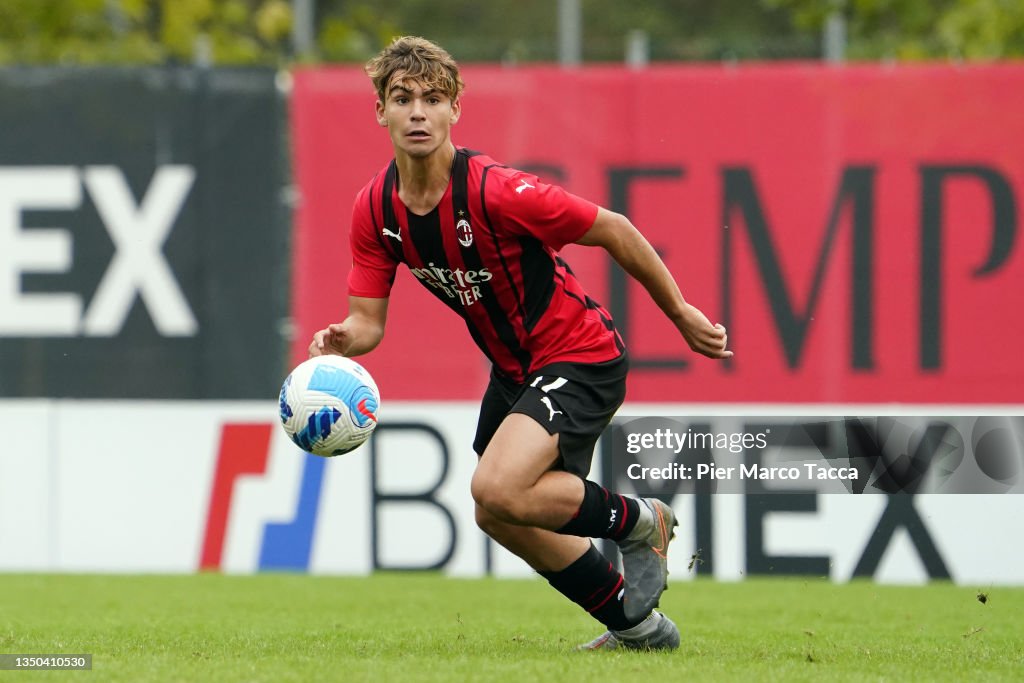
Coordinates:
x,y
464,232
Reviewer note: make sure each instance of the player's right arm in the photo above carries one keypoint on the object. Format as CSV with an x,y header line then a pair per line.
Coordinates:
x,y
358,333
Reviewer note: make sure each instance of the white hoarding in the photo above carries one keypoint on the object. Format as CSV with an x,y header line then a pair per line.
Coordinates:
x,y
166,486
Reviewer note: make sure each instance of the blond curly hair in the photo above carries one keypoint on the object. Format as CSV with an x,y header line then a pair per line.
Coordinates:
x,y
416,59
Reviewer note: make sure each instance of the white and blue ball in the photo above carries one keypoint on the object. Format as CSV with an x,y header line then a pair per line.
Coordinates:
x,y
329,405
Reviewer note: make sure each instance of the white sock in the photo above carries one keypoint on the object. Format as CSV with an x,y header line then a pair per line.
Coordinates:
x,y
642,630
644,523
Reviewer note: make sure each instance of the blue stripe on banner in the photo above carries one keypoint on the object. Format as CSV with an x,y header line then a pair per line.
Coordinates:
x,y
288,546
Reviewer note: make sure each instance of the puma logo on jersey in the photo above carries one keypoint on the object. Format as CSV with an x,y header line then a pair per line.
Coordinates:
x,y
551,409
525,186
395,235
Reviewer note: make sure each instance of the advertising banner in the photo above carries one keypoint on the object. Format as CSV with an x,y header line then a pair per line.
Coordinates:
x,y
217,486
143,238
855,228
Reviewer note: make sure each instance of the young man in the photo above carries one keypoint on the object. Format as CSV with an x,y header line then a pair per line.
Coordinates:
x,y
484,238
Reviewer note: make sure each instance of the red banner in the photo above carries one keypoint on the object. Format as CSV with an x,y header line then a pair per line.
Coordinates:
x,y
855,228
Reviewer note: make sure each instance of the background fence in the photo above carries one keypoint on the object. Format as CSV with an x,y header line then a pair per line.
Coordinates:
x,y
855,228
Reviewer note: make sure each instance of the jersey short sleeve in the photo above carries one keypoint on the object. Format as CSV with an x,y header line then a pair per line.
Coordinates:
x,y
373,268
547,212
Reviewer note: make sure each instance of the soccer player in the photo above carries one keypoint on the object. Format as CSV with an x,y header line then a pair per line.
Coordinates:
x,y
484,239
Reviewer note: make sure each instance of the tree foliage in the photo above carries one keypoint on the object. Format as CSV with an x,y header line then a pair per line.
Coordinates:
x,y
919,29
259,31
144,31
527,30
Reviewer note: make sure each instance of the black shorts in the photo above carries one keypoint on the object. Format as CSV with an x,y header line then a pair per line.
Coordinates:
x,y
574,400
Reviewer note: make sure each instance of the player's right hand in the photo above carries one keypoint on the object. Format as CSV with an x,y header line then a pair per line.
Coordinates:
x,y
332,339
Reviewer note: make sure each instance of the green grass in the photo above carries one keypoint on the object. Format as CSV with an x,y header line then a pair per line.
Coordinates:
x,y
424,627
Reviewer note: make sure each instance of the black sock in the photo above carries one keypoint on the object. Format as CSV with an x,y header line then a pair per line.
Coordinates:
x,y
602,514
593,584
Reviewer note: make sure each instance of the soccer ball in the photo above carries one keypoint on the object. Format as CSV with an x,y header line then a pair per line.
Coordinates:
x,y
329,405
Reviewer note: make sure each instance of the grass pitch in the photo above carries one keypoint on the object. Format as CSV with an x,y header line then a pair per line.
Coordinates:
x,y
425,627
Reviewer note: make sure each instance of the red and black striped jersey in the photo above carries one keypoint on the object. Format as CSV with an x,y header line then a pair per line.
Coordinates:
x,y
488,251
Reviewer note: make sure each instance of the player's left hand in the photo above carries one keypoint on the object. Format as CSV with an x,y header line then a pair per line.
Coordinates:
x,y
703,337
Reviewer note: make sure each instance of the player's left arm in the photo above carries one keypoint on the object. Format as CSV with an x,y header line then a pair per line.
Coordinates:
x,y
619,237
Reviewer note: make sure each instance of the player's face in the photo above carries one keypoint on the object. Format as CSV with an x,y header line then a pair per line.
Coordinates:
x,y
418,120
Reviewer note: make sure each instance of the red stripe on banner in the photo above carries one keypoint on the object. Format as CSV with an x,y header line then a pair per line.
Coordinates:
x,y
244,449
853,228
